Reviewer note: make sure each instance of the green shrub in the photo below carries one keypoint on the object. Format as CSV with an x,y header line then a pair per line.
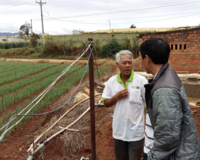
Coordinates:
x,y
109,49
31,50
126,44
135,47
97,47
9,45
33,39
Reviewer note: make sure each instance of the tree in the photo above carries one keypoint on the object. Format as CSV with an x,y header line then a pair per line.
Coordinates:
x,y
24,29
133,26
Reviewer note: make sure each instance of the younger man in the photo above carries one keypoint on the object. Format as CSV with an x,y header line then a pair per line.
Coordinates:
x,y
175,135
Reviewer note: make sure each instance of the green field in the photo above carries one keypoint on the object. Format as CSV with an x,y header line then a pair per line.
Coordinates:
x,y
22,82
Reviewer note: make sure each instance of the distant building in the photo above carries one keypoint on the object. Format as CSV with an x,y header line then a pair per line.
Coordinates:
x,y
77,32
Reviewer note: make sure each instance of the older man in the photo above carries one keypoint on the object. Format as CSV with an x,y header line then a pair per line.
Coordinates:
x,y
126,91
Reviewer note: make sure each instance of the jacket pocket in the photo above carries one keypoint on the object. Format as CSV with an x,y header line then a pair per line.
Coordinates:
x,y
135,96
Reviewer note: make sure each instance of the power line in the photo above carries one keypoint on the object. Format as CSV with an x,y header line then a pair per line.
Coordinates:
x,y
195,13
124,11
125,18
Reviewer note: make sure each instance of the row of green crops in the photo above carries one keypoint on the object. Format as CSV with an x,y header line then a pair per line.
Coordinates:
x,y
18,71
29,90
60,88
30,80
9,45
102,71
25,72
12,67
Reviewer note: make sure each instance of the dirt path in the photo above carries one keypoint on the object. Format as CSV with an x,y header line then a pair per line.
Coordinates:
x,y
104,62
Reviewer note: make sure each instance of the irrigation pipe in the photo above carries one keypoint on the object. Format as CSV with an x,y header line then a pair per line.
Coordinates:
x,y
42,94
36,140
54,135
22,116
69,129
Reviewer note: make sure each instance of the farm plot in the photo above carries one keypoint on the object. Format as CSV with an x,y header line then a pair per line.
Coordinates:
x,y
14,70
17,94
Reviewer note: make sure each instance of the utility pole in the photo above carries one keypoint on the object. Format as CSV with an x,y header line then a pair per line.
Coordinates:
x,y
41,3
110,26
31,27
92,107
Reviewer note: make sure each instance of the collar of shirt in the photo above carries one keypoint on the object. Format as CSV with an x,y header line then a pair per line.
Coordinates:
x,y
119,80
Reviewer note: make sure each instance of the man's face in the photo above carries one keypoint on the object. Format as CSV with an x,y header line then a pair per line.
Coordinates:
x,y
145,63
125,65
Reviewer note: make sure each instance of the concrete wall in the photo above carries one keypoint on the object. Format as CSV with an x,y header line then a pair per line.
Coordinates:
x,y
192,91
10,39
185,48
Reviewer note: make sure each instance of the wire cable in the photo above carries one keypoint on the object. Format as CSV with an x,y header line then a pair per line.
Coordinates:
x,y
124,11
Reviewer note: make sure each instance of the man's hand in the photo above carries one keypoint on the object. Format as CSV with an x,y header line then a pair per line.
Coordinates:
x,y
121,94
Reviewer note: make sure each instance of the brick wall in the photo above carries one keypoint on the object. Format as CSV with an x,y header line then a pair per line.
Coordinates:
x,y
185,48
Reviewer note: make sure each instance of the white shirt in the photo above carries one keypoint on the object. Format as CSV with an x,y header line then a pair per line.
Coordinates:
x,y
149,137
128,119
149,133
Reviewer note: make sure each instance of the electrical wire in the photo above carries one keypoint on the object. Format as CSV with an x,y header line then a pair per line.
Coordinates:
x,y
134,22
162,4
124,11
133,17
108,13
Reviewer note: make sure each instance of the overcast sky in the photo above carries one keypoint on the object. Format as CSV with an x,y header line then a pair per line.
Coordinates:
x,y
64,16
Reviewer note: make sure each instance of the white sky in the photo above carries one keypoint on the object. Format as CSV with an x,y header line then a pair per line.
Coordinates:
x,y
94,15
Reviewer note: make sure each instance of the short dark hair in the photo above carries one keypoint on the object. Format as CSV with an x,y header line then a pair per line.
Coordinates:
x,y
157,49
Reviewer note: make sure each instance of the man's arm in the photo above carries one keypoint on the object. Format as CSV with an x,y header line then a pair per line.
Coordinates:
x,y
121,94
168,116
